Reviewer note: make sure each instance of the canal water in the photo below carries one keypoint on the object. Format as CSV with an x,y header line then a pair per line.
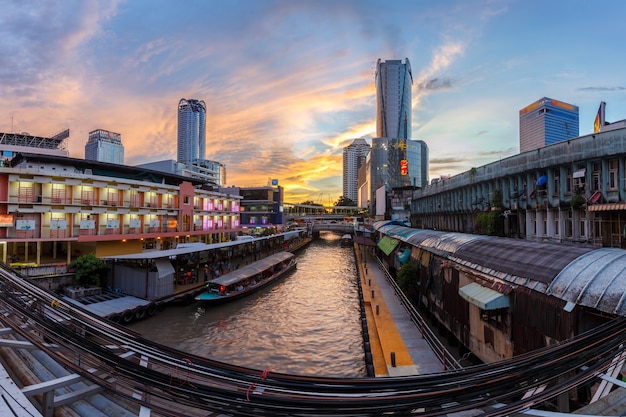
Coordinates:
x,y
306,324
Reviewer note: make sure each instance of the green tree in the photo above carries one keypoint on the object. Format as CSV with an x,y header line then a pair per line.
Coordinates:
x,y
408,279
344,201
89,269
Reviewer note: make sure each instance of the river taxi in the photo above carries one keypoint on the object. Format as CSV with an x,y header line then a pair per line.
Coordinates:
x,y
248,279
346,240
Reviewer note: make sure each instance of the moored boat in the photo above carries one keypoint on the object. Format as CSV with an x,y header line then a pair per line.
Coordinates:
x,y
248,279
346,240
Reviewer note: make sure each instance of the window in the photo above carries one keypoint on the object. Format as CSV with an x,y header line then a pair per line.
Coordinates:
x,y
613,182
557,183
186,199
496,318
489,338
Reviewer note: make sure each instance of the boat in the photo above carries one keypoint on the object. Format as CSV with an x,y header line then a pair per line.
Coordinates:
x,y
346,240
248,279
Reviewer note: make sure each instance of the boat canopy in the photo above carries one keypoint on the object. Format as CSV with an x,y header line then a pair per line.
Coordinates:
x,y
252,269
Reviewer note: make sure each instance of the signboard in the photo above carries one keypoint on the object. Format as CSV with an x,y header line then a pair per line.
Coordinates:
x,y
6,220
404,167
134,223
87,224
24,224
58,224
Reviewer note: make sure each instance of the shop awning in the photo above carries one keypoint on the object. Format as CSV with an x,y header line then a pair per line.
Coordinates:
x,y
387,245
483,297
607,207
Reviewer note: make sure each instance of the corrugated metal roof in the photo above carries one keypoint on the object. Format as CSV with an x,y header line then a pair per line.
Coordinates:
x,y
596,279
483,297
252,269
538,261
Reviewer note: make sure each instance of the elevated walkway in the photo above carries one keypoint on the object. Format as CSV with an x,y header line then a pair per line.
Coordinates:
x,y
397,344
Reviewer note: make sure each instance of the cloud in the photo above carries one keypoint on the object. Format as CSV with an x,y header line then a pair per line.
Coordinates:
x,y
616,88
435,84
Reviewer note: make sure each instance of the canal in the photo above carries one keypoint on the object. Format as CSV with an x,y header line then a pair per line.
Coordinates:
x,y
306,324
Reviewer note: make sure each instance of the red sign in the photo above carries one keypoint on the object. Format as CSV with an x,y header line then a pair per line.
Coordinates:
x,y
404,167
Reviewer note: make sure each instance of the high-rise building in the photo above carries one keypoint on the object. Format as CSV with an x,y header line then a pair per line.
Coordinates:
x,y
396,163
104,146
547,121
191,130
353,158
394,81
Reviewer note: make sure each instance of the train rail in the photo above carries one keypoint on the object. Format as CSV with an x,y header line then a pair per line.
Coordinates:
x,y
165,379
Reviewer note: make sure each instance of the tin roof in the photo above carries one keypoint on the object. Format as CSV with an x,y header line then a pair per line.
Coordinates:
x,y
596,279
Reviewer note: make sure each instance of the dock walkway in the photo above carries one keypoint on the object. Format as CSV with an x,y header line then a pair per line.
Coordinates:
x,y
397,345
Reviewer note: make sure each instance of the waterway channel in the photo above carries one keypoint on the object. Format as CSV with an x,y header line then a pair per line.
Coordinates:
x,y
306,324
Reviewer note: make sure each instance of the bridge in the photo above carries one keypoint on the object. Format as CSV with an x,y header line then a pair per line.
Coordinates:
x,y
292,212
169,382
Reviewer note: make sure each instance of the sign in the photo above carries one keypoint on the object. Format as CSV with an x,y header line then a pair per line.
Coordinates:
x,y
87,224
24,224
274,182
58,224
404,167
6,220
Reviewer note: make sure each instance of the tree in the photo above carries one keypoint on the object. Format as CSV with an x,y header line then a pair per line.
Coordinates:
x,y
89,269
344,201
408,280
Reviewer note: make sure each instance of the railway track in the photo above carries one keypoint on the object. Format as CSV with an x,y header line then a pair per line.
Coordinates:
x,y
171,382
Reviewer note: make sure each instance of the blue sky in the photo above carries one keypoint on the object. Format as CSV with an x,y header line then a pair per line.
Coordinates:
x,y
288,84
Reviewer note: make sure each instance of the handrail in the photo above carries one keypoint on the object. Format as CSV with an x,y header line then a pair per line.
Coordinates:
x,y
440,351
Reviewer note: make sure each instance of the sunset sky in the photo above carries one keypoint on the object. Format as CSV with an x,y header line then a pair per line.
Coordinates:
x,y
288,84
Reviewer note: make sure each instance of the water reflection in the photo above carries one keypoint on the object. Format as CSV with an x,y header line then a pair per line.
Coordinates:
x,y
306,324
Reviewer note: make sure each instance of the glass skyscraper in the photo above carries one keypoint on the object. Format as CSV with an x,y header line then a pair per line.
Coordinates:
x,y
545,122
394,82
104,146
191,130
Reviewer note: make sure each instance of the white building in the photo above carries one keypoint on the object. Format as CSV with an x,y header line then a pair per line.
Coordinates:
x,y
353,158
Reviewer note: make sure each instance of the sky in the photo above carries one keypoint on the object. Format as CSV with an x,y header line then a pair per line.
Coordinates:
x,y
288,84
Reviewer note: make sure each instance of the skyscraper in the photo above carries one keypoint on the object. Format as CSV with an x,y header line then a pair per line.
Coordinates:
x,y
191,130
353,158
104,146
546,121
394,81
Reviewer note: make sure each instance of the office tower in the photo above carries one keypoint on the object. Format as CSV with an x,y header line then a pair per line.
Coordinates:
x,y
546,121
353,158
394,81
191,130
104,146
417,159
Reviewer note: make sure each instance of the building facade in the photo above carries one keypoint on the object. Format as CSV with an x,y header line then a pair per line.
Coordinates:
x,y
261,208
104,146
547,121
191,130
54,209
353,158
569,192
394,163
394,82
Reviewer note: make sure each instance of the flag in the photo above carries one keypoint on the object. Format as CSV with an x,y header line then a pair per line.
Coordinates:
x,y
599,120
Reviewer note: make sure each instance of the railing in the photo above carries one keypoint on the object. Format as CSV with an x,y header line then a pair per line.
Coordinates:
x,y
442,353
